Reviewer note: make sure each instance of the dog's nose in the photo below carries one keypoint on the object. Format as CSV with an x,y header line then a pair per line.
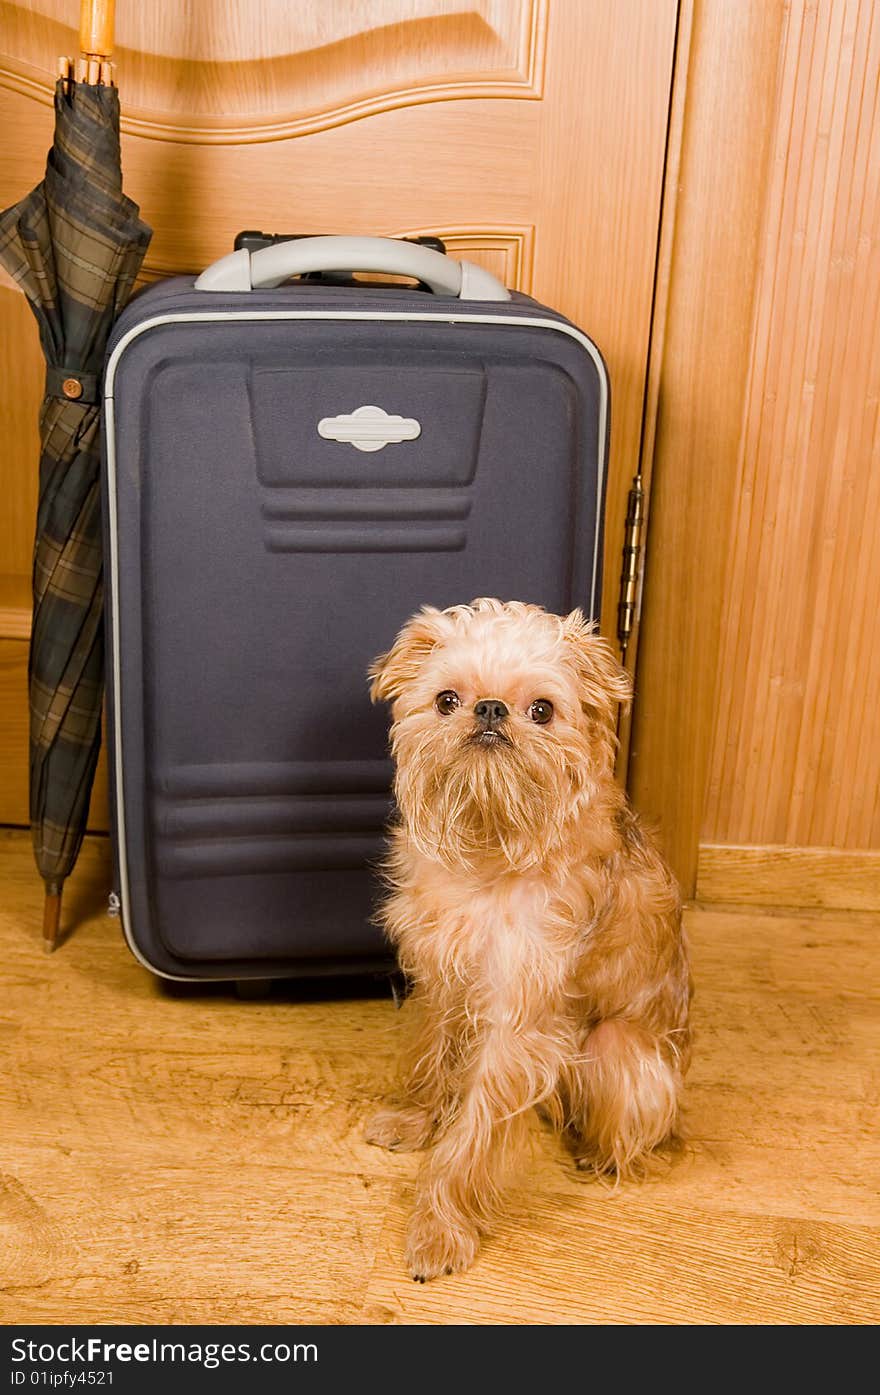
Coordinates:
x,y
490,712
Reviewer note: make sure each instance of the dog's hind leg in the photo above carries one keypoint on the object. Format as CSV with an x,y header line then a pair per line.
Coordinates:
x,y
624,1097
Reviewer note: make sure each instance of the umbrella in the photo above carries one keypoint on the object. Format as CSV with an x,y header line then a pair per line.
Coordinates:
x,y
74,245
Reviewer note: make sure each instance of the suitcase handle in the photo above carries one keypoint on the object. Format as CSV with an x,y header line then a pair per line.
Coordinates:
x,y
253,241
271,266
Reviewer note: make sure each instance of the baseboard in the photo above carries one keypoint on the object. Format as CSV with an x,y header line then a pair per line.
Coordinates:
x,y
777,875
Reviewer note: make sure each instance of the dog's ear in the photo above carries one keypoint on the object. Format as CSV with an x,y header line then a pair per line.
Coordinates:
x,y
390,673
602,680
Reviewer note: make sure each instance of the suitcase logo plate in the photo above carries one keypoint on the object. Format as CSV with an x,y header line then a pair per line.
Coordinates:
x,y
369,428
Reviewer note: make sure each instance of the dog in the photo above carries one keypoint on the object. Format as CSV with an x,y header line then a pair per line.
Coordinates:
x,y
534,919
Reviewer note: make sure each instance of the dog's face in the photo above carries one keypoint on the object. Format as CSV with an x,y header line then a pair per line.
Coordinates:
x,y
503,728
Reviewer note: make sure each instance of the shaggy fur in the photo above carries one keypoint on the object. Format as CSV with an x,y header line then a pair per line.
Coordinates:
x,y
537,923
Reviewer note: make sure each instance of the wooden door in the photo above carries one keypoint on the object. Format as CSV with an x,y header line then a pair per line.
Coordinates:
x,y
529,134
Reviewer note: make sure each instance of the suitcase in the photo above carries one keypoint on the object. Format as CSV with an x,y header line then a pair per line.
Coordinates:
x,y
291,468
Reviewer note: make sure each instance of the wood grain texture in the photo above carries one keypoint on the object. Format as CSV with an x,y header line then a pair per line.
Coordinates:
x,y
570,1247
796,755
187,1157
13,731
657,338
22,377
595,253
703,358
15,606
273,71
781,875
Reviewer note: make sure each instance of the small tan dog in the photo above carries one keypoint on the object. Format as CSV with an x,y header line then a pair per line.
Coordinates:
x,y
538,925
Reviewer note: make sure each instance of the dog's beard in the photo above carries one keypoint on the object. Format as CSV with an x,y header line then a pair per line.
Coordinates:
x,y
466,804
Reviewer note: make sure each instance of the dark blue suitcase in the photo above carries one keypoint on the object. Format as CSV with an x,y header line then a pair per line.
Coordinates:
x,y
292,468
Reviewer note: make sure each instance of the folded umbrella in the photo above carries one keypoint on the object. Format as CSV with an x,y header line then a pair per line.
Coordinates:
x,y
74,245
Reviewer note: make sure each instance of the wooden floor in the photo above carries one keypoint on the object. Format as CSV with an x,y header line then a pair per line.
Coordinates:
x,y
193,1158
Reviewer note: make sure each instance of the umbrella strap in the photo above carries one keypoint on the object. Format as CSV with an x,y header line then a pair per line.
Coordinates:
x,y
71,386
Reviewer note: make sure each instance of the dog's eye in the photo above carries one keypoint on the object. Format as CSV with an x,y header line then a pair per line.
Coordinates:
x,y
446,702
541,711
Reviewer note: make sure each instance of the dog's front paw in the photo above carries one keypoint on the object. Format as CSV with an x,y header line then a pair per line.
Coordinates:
x,y
434,1248
402,1130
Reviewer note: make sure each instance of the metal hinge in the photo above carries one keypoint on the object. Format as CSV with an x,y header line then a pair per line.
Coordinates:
x,y
628,599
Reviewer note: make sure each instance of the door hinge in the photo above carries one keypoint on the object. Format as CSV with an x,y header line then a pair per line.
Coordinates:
x,y
630,565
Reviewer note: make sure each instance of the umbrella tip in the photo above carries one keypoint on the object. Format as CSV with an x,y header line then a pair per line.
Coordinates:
x,y
51,916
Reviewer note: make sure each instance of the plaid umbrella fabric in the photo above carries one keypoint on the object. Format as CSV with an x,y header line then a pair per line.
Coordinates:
x,y
74,245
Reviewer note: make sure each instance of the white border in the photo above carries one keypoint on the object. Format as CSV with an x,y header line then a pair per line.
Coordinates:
x,y
203,316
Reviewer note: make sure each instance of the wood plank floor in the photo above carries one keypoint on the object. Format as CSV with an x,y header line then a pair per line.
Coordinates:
x,y
192,1158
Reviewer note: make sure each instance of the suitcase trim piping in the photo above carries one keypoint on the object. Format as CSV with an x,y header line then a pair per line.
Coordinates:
x,y
207,316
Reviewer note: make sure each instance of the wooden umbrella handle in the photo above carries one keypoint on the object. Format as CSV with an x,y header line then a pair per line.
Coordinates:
x,y
96,22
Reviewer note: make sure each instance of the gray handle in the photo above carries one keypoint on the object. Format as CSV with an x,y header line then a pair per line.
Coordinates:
x,y
271,266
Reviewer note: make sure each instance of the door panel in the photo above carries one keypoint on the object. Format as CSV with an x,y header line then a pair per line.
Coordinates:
x,y
530,134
